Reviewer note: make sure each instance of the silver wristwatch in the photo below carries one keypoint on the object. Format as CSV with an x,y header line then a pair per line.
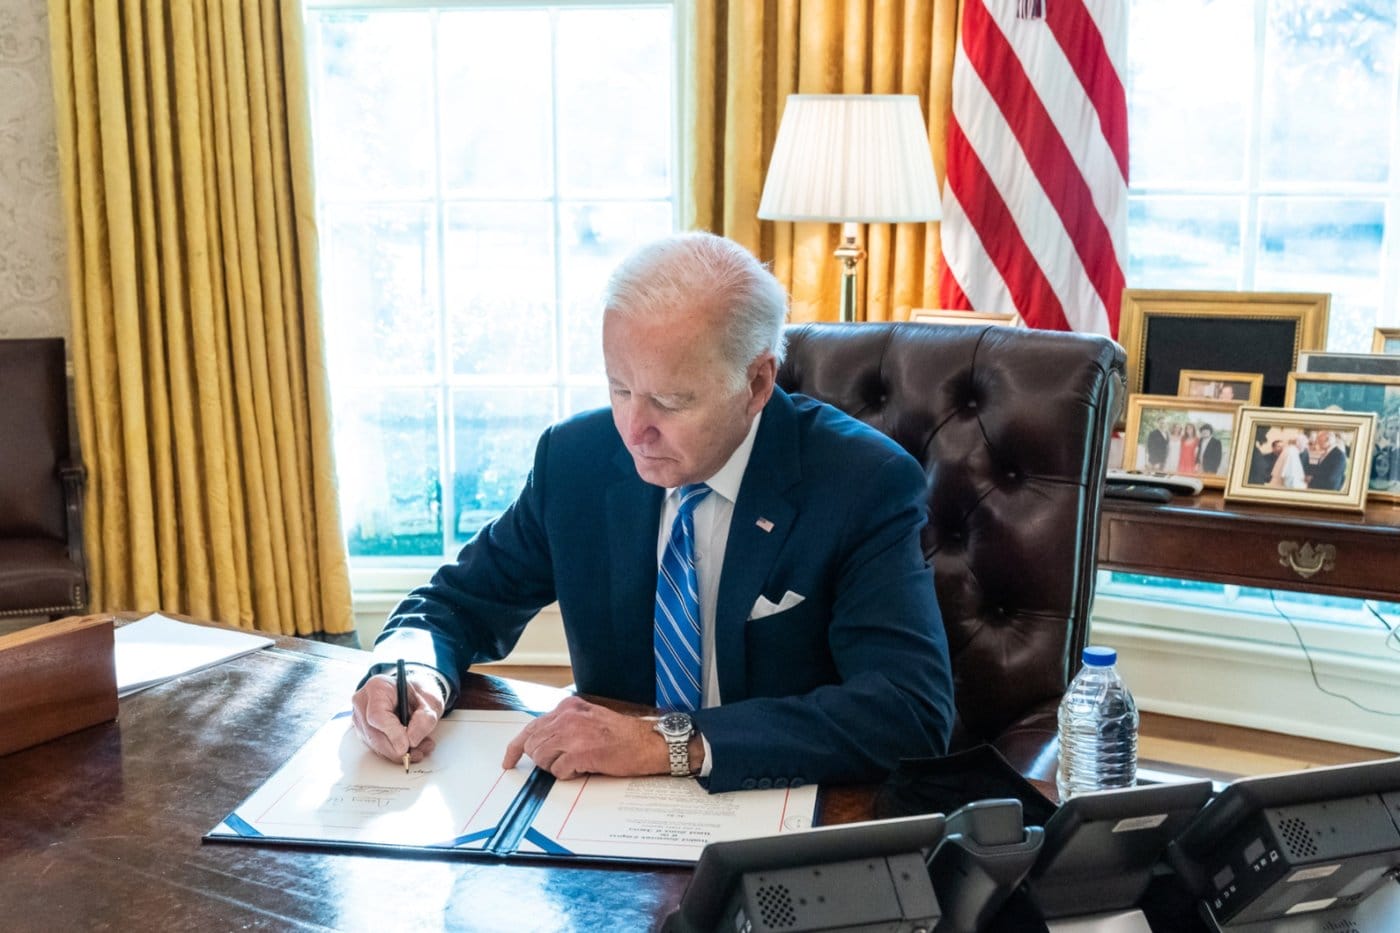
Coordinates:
x,y
676,729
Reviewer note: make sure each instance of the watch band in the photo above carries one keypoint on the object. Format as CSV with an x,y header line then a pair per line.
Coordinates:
x,y
679,749
676,729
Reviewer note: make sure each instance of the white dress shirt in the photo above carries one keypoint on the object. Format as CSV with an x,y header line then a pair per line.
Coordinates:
x,y
712,518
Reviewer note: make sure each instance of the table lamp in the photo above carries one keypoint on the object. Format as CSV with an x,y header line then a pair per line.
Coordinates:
x,y
851,158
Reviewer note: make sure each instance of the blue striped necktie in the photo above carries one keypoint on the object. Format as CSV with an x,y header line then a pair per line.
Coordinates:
x,y
676,636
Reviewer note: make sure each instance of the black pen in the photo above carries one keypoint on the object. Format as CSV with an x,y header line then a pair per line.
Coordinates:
x,y
401,709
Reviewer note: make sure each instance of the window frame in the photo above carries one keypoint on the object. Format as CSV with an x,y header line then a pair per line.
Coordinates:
x,y
1205,615
1254,189
373,575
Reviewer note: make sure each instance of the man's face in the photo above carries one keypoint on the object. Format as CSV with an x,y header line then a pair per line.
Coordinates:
x,y
671,397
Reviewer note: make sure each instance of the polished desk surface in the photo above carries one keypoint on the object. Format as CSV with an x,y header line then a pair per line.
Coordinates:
x,y
101,829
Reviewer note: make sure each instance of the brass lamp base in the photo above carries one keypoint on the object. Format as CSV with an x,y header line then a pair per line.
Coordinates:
x,y
850,253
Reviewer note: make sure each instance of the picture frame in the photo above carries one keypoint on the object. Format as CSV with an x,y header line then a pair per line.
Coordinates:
x,y
1267,463
953,316
1379,395
1386,340
1356,364
1165,331
1222,386
1186,436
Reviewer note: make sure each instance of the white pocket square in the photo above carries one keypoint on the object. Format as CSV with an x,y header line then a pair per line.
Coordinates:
x,y
766,607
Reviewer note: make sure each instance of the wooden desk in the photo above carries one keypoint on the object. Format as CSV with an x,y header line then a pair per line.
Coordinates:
x,y
1202,538
101,828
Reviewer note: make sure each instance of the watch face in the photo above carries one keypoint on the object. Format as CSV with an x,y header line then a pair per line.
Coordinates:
x,y
674,724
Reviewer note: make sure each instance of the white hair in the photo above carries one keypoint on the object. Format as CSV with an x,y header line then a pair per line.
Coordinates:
x,y
686,270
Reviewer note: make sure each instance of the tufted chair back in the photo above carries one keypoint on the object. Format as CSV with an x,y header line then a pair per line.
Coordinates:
x,y
1012,427
41,548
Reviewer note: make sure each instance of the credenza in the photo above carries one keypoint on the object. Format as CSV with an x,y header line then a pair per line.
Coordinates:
x,y
1204,538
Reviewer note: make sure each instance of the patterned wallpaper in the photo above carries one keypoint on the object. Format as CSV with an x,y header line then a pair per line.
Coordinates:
x,y
33,270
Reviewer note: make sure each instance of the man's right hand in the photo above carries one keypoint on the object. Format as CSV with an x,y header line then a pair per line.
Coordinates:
x,y
372,709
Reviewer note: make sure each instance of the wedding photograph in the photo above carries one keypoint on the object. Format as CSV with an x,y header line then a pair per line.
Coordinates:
x,y
1308,457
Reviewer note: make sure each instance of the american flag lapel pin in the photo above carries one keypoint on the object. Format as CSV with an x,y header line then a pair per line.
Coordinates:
x,y
764,524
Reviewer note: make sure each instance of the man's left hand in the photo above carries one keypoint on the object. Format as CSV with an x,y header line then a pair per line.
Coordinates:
x,y
577,738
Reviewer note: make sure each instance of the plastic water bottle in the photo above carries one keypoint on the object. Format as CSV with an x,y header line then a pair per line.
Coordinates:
x,y
1098,728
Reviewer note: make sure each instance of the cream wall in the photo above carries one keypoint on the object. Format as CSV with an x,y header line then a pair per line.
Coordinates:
x,y
33,272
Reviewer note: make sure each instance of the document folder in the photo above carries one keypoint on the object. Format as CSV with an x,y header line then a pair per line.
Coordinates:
x,y
459,801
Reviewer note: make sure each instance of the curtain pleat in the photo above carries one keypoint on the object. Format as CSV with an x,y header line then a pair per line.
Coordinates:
x,y
201,389
747,57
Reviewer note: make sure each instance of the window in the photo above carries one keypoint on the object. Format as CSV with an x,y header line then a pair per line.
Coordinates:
x,y
1265,155
480,169
1264,152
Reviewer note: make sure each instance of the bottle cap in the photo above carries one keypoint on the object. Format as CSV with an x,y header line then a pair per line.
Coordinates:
x,y
1098,656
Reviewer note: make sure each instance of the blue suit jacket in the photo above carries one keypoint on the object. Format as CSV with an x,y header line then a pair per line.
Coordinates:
x,y
837,688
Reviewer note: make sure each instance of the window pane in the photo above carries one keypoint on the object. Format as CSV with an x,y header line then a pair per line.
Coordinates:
x,y
1326,245
615,122
495,107
596,237
462,293
1190,71
1183,242
586,398
495,432
1328,90
500,287
374,126
380,291
387,465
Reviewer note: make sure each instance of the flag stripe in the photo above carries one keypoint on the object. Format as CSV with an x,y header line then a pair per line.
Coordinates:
x,y
1030,219
1030,291
1061,91
1078,36
1036,192
1044,148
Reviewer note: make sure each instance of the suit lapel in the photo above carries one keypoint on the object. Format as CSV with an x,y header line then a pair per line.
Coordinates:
x,y
633,514
763,517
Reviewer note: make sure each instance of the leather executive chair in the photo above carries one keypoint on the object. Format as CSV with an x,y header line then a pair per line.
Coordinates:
x,y
42,565
1012,426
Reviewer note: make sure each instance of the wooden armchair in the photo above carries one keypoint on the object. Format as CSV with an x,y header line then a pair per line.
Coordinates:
x,y
43,570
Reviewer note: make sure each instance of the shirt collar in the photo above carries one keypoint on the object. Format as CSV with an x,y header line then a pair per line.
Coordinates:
x,y
728,478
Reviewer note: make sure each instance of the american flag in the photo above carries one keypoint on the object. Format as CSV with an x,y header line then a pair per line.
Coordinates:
x,y
1035,204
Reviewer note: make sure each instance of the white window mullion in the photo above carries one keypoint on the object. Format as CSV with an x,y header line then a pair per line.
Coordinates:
x,y
1249,231
561,358
1389,310
447,430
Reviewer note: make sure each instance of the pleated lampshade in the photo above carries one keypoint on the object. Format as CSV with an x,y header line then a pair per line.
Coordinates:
x,y
853,158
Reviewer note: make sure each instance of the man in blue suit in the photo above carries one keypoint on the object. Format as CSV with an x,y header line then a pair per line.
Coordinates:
x,y
819,654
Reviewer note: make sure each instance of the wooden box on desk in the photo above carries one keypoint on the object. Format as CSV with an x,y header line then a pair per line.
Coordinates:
x,y
56,678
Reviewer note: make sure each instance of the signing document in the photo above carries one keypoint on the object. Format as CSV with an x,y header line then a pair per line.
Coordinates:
x,y
336,792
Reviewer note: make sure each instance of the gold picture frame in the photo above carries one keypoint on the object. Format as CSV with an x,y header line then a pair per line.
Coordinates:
x,y
953,316
1267,463
1379,395
1165,331
1385,340
1214,384
1184,436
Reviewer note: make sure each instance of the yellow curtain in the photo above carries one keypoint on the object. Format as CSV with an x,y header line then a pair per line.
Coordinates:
x,y
748,56
201,390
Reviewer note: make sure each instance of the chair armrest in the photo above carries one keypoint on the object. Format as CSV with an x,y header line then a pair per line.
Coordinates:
x,y
1032,743
74,477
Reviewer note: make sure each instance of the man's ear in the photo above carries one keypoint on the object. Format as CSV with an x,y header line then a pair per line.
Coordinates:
x,y
762,375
